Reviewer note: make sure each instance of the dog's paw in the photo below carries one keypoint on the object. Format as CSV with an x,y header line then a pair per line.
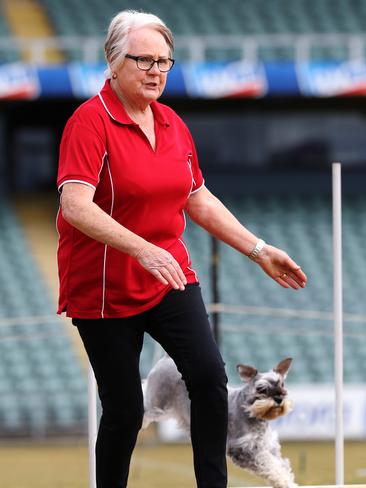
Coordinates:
x,y
285,484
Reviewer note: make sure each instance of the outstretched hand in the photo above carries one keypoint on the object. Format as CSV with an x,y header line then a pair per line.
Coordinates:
x,y
281,268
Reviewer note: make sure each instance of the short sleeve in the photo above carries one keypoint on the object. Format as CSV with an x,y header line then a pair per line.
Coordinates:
x,y
82,152
198,180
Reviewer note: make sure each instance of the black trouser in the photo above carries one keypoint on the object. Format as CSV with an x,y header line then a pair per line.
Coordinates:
x,y
180,324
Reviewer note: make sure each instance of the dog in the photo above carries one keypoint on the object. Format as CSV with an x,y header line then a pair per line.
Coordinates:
x,y
251,442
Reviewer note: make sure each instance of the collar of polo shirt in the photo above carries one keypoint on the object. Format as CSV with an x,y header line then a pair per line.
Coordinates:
x,y
117,112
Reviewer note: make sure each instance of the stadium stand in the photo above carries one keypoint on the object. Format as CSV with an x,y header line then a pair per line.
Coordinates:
x,y
27,19
42,385
233,17
215,17
79,26
6,55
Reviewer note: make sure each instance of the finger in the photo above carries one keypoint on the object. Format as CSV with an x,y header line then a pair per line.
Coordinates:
x,y
173,273
292,282
158,276
169,277
282,282
297,273
298,276
178,277
299,281
179,272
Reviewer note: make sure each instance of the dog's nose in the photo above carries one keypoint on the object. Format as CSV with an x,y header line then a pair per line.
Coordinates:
x,y
278,399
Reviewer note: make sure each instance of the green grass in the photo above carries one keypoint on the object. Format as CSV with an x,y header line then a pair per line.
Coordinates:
x,y
65,465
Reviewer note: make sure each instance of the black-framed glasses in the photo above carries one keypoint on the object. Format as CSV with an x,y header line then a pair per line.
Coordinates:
x,y
147,62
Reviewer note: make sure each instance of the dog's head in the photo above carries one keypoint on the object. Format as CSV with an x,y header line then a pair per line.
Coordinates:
x,y
265,393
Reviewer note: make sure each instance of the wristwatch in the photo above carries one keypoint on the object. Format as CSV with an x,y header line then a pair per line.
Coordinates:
x,y
257,249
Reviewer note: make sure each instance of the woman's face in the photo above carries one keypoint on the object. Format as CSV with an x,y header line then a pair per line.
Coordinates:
x,y
138,86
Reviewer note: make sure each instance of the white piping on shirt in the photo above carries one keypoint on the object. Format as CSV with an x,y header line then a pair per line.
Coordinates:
x,y
106,245
105,106
193,271
189,162
58,213
189,258
76,181
198,189
85,182
101,167
185,220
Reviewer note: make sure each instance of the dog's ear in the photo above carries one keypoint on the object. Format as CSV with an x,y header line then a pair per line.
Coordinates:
x,y
283,367
246,373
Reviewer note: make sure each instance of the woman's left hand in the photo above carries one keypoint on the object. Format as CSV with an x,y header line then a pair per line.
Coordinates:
x,y
281,268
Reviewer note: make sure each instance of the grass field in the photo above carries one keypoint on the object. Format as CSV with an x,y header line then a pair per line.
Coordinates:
x,y
65,465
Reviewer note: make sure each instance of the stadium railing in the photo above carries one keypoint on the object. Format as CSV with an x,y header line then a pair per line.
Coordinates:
x,y
299,48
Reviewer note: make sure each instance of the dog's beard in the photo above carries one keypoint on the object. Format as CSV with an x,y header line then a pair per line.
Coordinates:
x,y
268,409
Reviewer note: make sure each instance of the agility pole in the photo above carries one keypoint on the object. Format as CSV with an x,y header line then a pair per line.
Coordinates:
x,y
338,320
92,424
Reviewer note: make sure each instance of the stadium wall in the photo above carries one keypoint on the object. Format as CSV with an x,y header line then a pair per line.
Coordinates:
x,y
245,145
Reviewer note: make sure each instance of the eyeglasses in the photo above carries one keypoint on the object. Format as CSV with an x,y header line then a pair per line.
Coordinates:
x,y
145,63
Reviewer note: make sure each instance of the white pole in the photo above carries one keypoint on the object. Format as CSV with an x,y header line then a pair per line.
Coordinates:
x,y
338,321
92,424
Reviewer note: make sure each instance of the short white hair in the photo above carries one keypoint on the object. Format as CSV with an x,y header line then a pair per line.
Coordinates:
x,y
116,43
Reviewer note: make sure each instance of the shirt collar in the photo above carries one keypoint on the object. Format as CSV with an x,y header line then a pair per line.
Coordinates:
x,y
117,112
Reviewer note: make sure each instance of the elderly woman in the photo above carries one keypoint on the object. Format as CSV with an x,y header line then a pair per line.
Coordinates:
x,y
128,172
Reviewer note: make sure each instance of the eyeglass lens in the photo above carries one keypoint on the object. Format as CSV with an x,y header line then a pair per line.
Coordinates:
x,y
147,63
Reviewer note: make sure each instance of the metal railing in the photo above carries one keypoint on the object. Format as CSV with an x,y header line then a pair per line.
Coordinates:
x,y
192,47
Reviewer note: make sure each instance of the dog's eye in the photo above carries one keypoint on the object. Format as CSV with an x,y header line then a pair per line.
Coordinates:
x,y
261,389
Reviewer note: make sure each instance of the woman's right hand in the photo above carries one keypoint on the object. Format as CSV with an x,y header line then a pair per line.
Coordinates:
x,y
161,264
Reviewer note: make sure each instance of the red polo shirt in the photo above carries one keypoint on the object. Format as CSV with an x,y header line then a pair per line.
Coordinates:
x,y
142,189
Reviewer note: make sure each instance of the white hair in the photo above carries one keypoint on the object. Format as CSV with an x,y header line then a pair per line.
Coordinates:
x,y
116,43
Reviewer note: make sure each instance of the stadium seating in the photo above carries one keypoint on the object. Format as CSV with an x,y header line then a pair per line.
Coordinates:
x,y
276,323
6,55
212,17
209,18
42,386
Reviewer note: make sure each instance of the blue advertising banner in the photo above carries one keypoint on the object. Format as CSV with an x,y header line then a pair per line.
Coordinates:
x,y
225,79
18,82
55,82
332,79
86,79
209,80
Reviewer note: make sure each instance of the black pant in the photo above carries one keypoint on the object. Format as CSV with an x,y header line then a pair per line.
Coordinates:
x,y
180,324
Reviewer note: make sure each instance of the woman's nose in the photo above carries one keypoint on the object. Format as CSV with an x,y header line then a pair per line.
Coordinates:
x,y
154,69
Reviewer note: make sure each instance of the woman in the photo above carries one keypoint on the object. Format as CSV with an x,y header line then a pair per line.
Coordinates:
x,y
128,171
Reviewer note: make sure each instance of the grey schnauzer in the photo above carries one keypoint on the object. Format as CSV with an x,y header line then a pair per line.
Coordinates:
x,y
251,443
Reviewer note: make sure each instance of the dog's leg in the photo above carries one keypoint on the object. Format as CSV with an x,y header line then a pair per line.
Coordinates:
x,y
165,395
275,470
268,465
